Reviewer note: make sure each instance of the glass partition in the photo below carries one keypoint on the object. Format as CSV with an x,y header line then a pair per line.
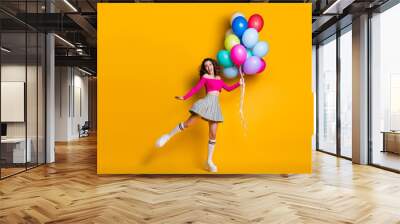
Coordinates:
x,y
22,89
346,93
327,95
14,153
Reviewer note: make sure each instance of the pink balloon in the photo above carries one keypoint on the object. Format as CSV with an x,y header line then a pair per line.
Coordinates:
x,y
262,66
238,54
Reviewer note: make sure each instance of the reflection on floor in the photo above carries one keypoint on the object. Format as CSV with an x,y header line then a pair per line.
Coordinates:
x,y
11,169
346,152
386,159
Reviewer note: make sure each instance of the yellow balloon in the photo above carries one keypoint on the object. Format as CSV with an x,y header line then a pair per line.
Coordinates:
x,y
230,41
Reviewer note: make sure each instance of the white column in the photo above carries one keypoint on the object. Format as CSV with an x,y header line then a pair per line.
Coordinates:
x,y
360,90
50,92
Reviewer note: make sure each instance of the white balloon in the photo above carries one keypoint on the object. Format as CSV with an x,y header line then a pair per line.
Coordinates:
x,y
260,49
236,15
250,37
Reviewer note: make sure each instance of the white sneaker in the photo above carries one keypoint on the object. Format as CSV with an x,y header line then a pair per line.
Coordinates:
x,y
212,167
162,140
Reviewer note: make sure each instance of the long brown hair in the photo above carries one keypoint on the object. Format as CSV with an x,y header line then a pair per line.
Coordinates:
x,y
203,67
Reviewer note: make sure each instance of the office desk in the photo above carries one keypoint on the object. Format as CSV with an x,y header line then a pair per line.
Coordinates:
x,y
13,150
391,141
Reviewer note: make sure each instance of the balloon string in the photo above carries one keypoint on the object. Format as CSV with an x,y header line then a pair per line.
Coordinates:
x,y
242,92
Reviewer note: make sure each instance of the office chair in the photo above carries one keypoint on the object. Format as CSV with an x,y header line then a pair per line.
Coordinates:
x,y
84,130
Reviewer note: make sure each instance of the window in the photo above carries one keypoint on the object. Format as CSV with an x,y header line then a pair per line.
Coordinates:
x,y
327,95
385,88
346,93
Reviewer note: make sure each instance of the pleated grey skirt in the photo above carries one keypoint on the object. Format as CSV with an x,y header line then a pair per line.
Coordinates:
x,y
208,108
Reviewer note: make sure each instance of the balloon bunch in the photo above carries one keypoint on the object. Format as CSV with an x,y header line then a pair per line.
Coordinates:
x,y
243,51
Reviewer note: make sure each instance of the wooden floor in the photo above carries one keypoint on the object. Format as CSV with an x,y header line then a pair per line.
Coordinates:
x,y
70,191
5,172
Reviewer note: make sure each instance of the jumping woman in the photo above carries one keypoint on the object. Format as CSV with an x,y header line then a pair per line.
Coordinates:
x,y
207,108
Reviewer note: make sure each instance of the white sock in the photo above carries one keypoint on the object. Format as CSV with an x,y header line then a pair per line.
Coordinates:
x,y
177,129
165,138
211,145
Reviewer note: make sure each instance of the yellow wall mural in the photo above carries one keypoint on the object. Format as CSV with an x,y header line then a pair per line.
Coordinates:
x,y
148,53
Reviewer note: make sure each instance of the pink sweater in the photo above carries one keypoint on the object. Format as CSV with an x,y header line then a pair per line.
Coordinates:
x,y
211,85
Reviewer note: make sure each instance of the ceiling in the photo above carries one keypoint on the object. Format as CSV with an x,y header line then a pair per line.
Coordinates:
x,y
76,22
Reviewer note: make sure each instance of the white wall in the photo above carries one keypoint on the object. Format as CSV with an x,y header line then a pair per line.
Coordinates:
x,y
16,72
10,73
13,101
71,94
81,84
62,78
33,127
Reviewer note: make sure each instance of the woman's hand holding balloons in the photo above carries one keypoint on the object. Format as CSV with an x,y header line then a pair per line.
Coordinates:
x,y
179,97
244,52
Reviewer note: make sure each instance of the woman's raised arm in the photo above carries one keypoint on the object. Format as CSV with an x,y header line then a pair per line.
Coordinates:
x,y
195,89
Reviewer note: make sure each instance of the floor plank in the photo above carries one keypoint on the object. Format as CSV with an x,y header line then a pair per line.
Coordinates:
x,y
70,191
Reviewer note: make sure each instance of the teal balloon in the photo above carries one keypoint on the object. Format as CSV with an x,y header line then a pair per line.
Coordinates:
x,y
224,58
260,49
250,37
231,72
249,53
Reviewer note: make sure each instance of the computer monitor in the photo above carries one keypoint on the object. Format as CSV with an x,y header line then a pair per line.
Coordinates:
x,y
3,129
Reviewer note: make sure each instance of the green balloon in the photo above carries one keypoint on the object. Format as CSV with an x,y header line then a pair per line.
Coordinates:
x,y
230,41
224,58
249,53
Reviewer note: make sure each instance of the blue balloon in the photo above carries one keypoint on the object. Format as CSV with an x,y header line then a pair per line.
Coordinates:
x,y
250,37
231,72
260,49
239,25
